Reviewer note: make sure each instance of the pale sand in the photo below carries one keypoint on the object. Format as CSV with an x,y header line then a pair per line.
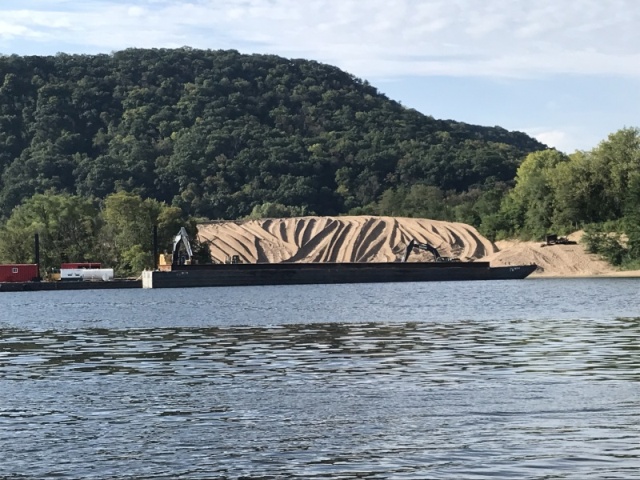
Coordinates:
x,y
384,239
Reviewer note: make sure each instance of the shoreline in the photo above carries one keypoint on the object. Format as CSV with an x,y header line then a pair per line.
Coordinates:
x,y
137,284
630,274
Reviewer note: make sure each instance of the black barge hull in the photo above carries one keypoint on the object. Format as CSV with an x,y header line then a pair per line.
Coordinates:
x,y
224,275
68,285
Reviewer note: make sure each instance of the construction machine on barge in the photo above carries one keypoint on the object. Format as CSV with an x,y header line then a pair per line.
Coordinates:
x,y
182,271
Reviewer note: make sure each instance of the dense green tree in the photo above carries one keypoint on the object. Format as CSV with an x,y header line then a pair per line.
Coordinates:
x,y
419,200
126,237
276,210
67,226
530,206
217,133
580,190
617,161
631,223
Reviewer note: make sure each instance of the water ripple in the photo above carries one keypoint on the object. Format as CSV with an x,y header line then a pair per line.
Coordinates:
x,y
467,399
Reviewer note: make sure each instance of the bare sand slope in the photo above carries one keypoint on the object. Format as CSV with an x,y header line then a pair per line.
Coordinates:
x,y
384,239
555,260
552,261
340,239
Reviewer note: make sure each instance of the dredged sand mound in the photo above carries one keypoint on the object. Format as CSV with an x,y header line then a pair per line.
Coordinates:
x,y
340,239
384,239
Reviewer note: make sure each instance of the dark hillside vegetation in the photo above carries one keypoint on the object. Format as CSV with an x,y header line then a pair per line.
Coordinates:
x,y
219,134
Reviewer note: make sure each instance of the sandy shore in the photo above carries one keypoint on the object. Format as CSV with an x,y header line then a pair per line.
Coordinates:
x,y
384,239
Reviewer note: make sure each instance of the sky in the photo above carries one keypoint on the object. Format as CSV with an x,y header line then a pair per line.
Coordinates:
x,y
566,72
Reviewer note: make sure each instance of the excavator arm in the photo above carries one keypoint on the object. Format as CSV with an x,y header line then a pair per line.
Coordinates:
x,y
181,238
421,246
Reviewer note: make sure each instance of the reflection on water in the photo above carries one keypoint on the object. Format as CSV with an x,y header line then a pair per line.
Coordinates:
x,y
467,399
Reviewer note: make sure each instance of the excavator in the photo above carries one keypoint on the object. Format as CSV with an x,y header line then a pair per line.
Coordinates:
x,y
184,257
412,245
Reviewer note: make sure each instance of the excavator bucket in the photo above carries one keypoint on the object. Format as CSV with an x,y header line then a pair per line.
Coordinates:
x,y
408,250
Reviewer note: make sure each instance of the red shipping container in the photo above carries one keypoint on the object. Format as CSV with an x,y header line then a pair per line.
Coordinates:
x,y
19,272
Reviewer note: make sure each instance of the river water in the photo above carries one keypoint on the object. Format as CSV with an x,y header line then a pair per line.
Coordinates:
x,y
533,379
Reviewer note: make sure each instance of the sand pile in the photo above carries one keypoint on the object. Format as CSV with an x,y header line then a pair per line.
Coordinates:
x,y
340,239
384,239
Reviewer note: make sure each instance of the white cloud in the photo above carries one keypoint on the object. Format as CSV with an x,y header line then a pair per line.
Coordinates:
x,y
566,139
136,11
552,138
10,31
500,38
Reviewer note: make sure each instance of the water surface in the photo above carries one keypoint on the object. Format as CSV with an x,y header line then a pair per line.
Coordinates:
x,y
521,379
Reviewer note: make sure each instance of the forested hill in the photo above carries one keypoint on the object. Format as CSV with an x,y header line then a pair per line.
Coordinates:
x,y
218,133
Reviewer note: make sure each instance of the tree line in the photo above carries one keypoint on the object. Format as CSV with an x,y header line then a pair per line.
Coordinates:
x,y
117,232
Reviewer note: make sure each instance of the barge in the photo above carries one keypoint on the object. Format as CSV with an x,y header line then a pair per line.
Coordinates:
x,y
249,274
180,272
